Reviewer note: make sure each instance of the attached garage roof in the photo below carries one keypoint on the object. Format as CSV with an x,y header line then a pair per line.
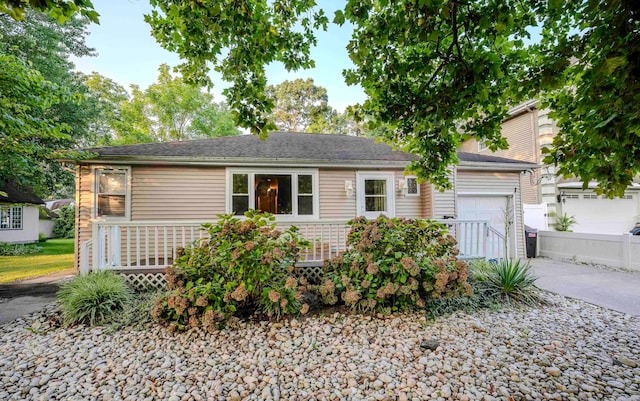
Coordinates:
x,y
279,148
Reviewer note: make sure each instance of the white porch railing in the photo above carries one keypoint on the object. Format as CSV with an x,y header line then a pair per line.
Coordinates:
x,y
477,239
152,244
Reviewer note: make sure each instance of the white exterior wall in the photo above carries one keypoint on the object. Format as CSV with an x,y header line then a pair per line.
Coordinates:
x,y
46,227
30,227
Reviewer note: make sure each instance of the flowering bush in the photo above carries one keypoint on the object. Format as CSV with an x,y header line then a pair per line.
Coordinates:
x,y
243,266
394,263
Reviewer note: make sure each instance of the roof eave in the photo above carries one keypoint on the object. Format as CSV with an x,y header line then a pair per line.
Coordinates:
x,y
234,161
497,166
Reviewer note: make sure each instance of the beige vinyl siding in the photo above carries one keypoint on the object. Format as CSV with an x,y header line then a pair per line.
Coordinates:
x,y
334,203
520,133
529,190
177,193
495,182
444,202
84,204
426,196
409,206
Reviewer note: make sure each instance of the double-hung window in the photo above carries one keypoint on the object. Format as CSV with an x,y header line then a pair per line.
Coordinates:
x,y
111,193
288,195
11,218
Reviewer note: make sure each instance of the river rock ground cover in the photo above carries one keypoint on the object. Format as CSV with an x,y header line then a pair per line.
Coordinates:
x,y
567,351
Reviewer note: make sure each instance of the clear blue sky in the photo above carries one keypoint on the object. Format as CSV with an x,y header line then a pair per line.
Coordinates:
x,y
128,54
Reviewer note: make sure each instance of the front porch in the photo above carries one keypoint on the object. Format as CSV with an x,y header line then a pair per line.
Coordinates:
x,y
151,245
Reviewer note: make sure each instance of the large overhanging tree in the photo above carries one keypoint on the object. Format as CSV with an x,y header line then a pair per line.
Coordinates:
x,y
437,72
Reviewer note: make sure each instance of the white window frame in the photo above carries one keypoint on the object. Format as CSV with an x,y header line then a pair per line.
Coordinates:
x,y
127,196
12,209
482,145
251,173
391,193
412,177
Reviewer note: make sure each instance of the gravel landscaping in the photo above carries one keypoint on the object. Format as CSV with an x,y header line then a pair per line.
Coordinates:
x,y
569,351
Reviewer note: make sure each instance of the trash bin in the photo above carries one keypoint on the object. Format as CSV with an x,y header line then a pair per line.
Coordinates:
x,y
531,238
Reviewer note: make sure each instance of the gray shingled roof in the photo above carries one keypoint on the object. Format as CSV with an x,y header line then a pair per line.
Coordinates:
x,y
278,146
479,158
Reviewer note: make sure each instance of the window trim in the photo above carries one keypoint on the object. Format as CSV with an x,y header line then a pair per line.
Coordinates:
x,y
361,176
127,195
412,177
10,208
482,145
294,172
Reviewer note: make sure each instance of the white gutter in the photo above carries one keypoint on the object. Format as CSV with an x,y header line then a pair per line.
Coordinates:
x,y
496,166
592,185
522,107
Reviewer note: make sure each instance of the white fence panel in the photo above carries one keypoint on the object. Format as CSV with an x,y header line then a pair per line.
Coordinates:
x,y
535,215
610,250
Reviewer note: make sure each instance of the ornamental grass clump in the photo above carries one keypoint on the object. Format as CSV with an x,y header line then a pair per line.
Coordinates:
x,y
243,267
394,264
514,281
94,299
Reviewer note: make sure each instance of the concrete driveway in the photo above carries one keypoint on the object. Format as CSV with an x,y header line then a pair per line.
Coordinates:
x,y
610,289
28,296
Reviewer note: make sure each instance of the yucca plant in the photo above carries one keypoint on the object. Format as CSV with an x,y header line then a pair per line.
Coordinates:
x,y
94,298
514,280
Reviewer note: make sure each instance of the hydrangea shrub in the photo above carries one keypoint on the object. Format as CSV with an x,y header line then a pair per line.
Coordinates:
x,y
243,266
394,264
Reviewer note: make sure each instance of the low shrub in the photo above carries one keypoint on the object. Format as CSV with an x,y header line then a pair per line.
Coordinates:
x,y
394,264
514,281
93,299
243,267
137,313
7,249
64,226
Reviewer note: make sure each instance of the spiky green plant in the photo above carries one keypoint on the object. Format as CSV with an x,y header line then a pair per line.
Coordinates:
x,y
514,280
94,298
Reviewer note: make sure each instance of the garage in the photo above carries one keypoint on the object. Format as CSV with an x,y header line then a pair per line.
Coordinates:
x,y
599,215
492,208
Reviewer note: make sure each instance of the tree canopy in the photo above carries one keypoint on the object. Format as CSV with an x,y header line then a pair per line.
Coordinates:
x,y
441,71
42,103
60,10
168,110
302,106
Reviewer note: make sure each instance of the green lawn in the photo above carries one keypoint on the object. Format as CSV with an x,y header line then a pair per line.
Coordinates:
x,y
56,255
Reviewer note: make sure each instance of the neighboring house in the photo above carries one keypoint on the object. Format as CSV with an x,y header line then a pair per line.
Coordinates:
x,y
137,203
46,222
546,195
19,214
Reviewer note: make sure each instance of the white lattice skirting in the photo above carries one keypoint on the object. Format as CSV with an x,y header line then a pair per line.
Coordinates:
x,y
156,281
145,281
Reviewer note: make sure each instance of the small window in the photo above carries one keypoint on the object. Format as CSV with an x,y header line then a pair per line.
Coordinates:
x,y
590,196
240,194
11,218
305,195
413,188
482,145
111,192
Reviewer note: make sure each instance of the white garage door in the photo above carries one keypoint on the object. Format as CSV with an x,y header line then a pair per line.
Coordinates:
x,y
598,215
490,208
